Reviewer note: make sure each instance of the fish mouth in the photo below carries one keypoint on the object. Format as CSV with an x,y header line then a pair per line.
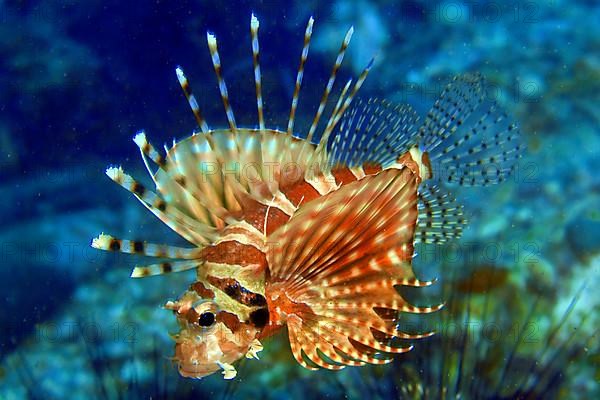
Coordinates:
x,y
197,365
197,371
193,360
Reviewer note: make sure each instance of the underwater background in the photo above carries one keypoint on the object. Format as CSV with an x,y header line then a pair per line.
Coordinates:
x,y
79,79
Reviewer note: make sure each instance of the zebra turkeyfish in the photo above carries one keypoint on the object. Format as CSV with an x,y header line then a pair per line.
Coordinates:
x,y
314,230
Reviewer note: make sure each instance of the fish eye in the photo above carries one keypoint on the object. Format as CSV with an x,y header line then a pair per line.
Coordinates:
x,y
206,319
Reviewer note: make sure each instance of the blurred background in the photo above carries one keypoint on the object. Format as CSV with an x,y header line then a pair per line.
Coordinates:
x,y
78,80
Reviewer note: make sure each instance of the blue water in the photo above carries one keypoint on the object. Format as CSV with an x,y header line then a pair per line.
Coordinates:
x,y
78,80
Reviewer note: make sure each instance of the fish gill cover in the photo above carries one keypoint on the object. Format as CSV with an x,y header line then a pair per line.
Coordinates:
x,y
337,246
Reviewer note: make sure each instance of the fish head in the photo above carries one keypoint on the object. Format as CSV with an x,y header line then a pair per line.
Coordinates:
x,y
210,339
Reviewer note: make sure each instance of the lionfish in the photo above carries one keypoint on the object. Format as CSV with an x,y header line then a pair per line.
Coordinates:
x,y
313,231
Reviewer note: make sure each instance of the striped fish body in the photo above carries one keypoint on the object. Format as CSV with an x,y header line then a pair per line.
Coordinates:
x,y
312,231
247,274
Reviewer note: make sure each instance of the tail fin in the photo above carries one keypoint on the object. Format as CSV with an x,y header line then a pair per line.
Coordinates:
x,y
469,139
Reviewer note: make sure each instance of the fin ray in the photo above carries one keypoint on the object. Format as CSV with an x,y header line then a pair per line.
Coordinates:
x,y
163,268
470,140
110,243
254,25
299,76
373,131
440,216
190,229
189,95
